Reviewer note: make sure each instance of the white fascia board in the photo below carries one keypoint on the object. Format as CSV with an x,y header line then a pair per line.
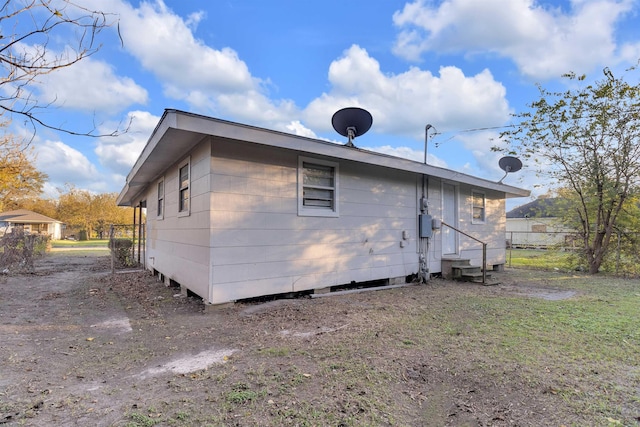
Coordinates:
x,y
167,120
224,129
203,125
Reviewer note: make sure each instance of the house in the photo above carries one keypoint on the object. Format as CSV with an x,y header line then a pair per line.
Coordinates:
x,y
31,222
536,225
235,211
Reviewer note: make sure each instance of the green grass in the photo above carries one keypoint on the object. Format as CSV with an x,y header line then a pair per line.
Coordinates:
x,y
140,420
409,353
542,259
584,347
241,393
96,243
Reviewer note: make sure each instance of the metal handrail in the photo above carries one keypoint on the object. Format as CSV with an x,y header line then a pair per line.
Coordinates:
x,y
484,250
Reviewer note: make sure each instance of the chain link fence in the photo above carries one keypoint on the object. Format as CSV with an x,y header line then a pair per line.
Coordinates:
x,y
541,240
623,257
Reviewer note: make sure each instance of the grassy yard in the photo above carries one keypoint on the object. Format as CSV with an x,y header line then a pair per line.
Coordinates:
x,y
539,258
543,348
96,243
441,354
97,247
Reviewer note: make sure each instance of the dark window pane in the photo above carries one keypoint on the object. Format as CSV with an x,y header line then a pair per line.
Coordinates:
x,y
184,200
184,176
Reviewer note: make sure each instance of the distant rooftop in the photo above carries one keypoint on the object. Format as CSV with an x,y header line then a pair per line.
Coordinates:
x,y
24,216
539,208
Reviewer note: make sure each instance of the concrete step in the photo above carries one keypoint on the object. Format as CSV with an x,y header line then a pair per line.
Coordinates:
x,y
477,278
458,272
460,263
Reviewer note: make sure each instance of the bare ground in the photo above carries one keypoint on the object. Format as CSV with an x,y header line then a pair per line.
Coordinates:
x,y
82,347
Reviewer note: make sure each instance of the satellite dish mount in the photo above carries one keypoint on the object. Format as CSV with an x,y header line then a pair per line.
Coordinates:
x,y
352,122
509,164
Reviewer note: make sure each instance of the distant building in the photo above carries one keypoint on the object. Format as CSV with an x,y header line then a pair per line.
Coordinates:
x,y
31,222
536,225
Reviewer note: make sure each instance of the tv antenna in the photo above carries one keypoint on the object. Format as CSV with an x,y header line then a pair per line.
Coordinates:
x,y
509,164
351,122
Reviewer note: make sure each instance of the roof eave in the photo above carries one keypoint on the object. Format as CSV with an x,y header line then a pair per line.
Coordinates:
x,y
189,129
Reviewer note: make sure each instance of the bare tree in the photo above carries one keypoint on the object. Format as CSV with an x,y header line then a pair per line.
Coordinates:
x,y
27,27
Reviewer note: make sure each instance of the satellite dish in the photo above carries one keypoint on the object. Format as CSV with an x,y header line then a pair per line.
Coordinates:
x,y
509,164
352,122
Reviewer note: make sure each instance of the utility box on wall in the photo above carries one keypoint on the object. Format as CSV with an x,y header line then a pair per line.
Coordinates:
x,y
424,221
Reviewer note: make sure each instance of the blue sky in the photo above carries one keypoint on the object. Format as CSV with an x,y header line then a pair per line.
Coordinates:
x,y
290,64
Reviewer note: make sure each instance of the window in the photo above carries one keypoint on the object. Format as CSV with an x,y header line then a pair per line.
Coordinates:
x,y
161,199
539,228
183,201
317,187
479,204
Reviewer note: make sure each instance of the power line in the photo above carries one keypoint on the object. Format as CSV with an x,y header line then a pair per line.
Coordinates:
x,y
470,130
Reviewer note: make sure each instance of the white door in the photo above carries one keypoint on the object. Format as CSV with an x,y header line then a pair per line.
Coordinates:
x,y
449,216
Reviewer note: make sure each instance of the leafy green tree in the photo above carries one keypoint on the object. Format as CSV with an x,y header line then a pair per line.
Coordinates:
x,y
587,140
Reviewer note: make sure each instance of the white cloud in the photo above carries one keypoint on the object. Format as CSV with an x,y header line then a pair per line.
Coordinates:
x,y
63,163
408,153
486,161
164,43
119,153
194,19
630,52
93,85
544,42
211,80
297,128
255,108
404,103
88,85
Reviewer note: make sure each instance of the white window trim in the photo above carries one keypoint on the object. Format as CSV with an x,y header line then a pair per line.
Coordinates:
x,y
164,192
308,211
187,212
484,207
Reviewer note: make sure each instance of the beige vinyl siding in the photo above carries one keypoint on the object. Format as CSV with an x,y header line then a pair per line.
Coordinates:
x,y
490,231
179,246
261,246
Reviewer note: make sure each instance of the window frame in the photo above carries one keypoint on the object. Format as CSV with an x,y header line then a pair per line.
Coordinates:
x,y
184,212
483,196
160,207
331,212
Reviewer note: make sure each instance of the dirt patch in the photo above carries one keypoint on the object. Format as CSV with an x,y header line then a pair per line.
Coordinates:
x,y
83,347
548,294
121,325
188,364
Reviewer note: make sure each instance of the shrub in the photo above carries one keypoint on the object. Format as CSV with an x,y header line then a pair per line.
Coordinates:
x,y
18,250
121,251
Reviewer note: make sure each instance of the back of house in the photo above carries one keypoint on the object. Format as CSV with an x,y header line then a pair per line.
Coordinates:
x,y
236,212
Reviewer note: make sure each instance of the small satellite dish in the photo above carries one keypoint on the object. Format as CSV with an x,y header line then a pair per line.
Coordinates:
x,y
509,164
352,122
